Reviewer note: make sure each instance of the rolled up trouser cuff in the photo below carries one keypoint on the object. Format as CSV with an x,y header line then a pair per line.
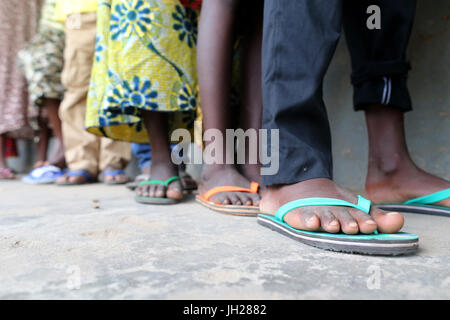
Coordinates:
x,y
390,91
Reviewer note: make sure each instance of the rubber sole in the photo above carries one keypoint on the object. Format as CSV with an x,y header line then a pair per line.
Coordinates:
x,y
156,201
358,245
422,209
242,211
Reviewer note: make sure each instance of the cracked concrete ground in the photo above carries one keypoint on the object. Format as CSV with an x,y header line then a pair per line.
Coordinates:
x,y
95,242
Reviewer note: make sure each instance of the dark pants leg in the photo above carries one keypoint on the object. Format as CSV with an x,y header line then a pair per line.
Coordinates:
x,y
300,38
379,60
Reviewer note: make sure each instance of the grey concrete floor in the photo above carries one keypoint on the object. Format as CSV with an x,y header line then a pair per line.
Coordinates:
x,y
57,243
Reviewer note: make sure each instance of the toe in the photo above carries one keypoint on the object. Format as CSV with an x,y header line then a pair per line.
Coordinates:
x,y
388,222
365,222
235,200
303,219
328,221
160,191
152,191
347,222
175,191
255,198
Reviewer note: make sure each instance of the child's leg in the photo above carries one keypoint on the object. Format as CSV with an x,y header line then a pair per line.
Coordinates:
x,y
44,138
162,167
215,48
52,107
251,79
299,41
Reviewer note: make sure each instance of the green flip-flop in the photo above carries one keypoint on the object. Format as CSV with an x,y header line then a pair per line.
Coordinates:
x,y
370,244
422,205
155,200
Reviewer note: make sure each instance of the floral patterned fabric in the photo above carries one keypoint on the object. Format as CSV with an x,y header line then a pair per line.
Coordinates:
x,y
145,60
19,23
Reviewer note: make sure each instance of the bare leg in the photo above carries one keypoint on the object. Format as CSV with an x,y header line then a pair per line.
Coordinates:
x,y
42,146
52,106
215,50
392,175
162,167
251,78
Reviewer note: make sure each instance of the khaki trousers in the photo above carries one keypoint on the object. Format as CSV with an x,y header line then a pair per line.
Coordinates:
x,y
84,151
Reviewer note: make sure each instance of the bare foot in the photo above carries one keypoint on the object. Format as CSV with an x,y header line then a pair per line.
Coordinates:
x,y
162,171
327,219
403,183
227,175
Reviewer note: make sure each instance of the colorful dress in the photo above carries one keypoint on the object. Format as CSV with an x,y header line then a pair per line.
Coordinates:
x,y
42,59
145,60
19,23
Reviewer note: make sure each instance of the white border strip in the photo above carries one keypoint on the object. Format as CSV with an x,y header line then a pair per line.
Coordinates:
x,y
364,244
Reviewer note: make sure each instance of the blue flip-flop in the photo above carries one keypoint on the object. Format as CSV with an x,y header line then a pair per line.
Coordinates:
x,y
89,178
422,205
43,175
113,173
371,244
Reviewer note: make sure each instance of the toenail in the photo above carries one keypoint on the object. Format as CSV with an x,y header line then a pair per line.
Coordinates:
x,y
370,222
353,225
311,222
392,214
334,223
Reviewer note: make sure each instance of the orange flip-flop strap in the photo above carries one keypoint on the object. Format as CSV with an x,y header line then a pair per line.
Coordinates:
x,y
254,186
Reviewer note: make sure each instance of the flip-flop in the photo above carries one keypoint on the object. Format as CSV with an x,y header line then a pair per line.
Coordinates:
x,y
247,211
113,173
374,244
422,205
43,175
156,200
133,185
83,173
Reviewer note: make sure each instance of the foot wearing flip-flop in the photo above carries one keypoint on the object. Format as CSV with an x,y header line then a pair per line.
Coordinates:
x,y
328,219
322,214
163,188
227,175
75,178
113,176
397,187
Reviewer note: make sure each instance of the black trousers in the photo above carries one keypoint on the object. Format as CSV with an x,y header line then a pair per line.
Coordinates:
x,y
379,62
300,38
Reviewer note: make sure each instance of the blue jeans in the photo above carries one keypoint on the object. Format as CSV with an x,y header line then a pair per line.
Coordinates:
x,y
143,153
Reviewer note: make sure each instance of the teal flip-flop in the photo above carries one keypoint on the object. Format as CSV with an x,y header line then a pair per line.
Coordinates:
x,y
155,200
370,244
422,205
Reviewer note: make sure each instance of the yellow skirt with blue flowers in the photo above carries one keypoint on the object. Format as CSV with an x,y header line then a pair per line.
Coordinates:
x,y
145,60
